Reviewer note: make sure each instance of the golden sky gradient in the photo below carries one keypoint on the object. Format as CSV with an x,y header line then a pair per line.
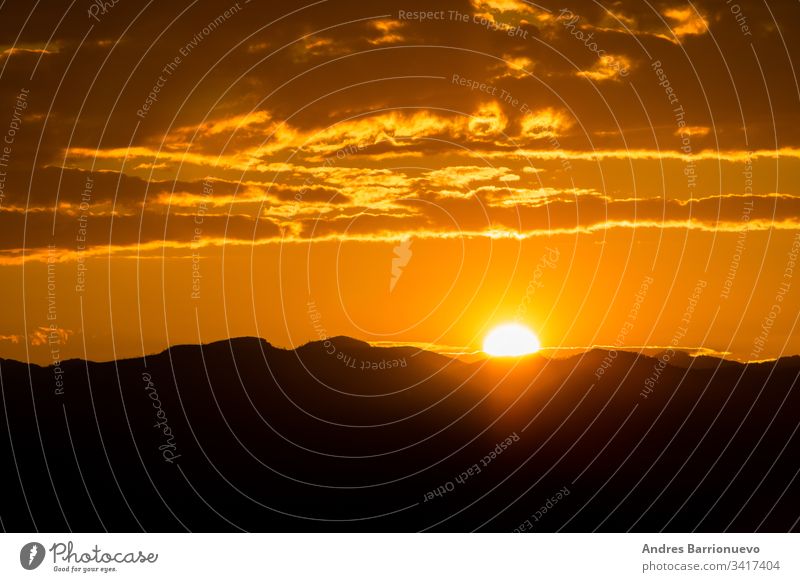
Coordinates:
x,y
610,173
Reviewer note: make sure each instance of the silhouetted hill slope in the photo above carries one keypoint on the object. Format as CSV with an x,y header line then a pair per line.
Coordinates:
x,y
342,436
681,359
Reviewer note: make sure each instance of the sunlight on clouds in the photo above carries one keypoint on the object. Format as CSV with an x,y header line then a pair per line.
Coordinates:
x,y
616,17
292,233
388,31
644,154
225,125
514,67
466,175
488,7
501,5
23,48
547,122
693,131
42,335
489,120
533,198
686,21
608,67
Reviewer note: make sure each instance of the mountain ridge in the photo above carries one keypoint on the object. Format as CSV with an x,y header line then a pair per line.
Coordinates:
x,y
680,358
218,437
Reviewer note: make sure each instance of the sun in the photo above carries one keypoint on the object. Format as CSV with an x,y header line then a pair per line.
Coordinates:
x,y
511,339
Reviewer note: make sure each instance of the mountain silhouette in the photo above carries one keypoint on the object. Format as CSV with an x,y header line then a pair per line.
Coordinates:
x,y
338,435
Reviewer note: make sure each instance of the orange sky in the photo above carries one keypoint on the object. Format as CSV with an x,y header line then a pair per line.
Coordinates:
x,y
621,176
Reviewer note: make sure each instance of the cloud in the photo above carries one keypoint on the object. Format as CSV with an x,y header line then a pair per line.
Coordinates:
x,y
515,67
7,53
486,207
645,154
608,68
325,112
686,21
693,130
544,123
389,31
44,335
502,5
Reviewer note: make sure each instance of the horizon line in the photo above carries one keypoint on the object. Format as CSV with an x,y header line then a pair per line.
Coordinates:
x,y
455,352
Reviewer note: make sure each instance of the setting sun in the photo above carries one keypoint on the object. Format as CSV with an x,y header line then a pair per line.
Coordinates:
x,y
511,339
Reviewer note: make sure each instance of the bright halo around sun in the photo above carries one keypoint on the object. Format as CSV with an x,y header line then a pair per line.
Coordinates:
x,y
511,339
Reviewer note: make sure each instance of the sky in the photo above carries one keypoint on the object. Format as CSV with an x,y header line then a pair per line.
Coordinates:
x,y
609,173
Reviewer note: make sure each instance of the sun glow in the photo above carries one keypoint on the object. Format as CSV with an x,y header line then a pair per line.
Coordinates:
x,y
511,339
